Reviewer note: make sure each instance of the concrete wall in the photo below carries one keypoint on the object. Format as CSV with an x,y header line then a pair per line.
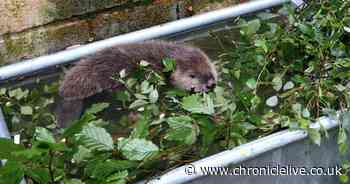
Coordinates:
x,y
30,28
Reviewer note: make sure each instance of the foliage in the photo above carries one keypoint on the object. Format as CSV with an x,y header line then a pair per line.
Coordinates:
x,y
276,76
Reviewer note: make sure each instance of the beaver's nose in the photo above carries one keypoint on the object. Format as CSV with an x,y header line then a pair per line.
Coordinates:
x,y
211,83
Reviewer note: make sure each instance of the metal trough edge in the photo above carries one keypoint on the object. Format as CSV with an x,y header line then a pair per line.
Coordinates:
x,y
240,153
36,64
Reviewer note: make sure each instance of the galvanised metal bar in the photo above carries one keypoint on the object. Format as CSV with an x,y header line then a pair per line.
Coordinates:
x,y
239,154
4,132
32,65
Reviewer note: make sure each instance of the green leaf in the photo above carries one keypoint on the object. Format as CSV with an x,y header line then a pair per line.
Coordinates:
x,y
96,108
315,136
261,43
344,178
339,51
146,87
118,178
277,83
82,154
141,129
96,138
169,65
138,103
26,110
153,96
297,108
198,104
40,175
3,91
251,83
251,27
19,93
44,135
74,181
182,129
78,125
345,120
342,141
306,29
11,173
104,168
7,147
137,149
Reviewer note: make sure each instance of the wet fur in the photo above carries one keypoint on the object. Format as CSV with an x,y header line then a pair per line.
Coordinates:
x,y
92,74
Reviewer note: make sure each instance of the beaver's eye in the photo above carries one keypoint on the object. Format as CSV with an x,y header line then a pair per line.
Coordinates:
x,y
192,76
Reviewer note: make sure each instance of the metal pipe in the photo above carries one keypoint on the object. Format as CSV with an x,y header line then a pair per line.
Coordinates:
x,y
4,132
32,65
239,154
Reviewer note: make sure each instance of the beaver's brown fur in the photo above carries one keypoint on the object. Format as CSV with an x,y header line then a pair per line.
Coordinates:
x,y
92,74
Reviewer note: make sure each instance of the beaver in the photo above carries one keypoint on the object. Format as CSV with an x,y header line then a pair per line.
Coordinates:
x,y
93,74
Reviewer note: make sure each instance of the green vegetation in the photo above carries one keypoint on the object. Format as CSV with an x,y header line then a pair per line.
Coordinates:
x,y
276,77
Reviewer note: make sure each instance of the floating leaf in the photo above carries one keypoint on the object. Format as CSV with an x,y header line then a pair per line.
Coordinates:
x,y
251,83
261,43
153,96
277,83
19,93
297,108
288,85
251,27
198,104
146,87
306,113
340,87
26,110
272,101
3,91
138,103
182,129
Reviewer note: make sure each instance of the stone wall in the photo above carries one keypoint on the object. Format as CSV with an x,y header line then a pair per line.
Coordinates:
x,y
30,28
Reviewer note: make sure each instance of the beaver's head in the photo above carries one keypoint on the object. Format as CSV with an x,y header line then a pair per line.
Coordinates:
x,y
194,71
